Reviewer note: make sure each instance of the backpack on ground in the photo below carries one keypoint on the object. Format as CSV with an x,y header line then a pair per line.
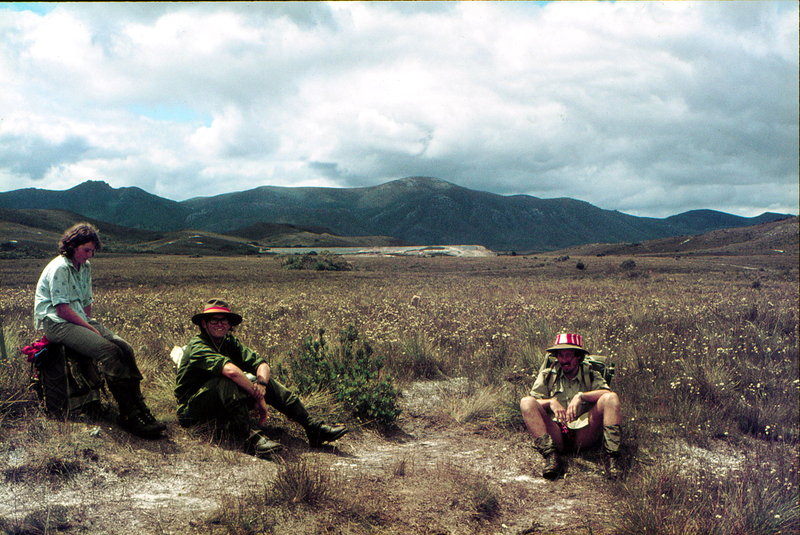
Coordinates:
x,y
64,381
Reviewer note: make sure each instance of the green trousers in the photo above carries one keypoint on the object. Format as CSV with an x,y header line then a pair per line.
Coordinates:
x,y
221,400
113,355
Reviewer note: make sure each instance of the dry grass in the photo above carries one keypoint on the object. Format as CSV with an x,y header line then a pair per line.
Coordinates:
x,y
474,405
702,352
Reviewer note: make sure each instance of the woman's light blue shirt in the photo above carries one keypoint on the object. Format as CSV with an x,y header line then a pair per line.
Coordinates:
x,y
62,283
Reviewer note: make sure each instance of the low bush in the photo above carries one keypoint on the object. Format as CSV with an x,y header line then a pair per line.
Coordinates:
x,y
317,262
351,372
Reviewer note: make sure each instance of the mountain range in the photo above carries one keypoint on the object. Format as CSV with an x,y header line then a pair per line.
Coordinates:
x,y
414,210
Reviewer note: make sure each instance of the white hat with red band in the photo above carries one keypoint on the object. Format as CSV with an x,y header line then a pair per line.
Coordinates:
x,y
568,341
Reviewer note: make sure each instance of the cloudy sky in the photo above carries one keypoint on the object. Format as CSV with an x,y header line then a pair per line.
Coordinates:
x,y
650,108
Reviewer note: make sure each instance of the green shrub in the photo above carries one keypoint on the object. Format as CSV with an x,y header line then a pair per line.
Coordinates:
x,y
351,372
315,262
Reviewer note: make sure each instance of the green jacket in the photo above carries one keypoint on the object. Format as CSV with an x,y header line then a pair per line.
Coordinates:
x,y
202,361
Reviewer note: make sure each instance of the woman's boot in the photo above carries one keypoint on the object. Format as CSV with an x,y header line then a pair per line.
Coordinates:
x,y
134,416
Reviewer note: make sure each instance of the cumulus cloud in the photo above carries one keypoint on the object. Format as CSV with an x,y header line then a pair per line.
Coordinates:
x,y
643,107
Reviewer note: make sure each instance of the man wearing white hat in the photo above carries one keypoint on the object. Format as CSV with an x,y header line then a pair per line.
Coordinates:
x,y
572,407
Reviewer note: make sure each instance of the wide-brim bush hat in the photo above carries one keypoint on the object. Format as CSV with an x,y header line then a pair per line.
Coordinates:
x,y
215,307
568,341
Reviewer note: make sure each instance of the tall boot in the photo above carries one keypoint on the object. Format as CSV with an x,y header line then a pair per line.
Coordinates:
x,y
132,417
291,406
318,433
146,414
612,438
552,463
239,425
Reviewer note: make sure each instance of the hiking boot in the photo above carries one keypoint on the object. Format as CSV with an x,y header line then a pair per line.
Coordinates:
x,y
134,416
552,463
260,446
151,420
552,466
142,425
613,466
612,437
320,433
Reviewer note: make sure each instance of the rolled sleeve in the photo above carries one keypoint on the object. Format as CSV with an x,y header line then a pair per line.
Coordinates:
x,y
539,389
598,383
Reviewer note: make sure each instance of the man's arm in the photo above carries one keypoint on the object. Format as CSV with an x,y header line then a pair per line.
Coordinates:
x,y
234,373
263,373
255,390
558,410
582,397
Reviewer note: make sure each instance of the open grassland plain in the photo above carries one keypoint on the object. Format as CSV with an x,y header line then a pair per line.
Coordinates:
x,y
705,348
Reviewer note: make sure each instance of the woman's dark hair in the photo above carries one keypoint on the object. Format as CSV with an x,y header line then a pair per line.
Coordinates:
x,y
77,235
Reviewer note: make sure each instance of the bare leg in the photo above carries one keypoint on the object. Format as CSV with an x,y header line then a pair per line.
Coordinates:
x,y
605,412
538,421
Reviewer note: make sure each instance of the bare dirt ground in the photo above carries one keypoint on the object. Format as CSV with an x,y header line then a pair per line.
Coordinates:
x,y
107,482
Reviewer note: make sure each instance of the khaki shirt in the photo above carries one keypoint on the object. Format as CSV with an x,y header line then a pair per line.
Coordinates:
x,y
552,383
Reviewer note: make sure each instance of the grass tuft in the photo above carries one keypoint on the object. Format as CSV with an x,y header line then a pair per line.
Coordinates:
x,y
305,482
475,405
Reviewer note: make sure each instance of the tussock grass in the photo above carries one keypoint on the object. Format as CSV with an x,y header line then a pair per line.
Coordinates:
x,y
470,491
417,358
51,519
242,515
474,405
324,405
304,481
15,373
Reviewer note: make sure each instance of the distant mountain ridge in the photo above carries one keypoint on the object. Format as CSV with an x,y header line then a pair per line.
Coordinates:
x,y
415,210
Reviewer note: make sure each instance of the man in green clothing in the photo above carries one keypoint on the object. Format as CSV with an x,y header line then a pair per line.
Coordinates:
x,y
571,407
213,385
